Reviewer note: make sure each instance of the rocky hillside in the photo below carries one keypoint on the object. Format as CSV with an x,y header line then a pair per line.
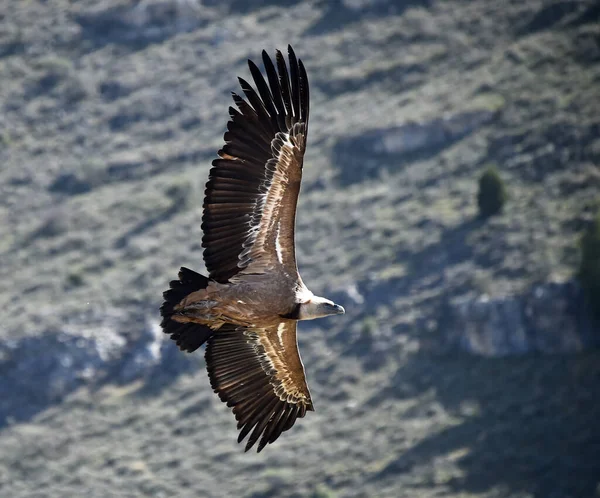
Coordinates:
x,y
111,114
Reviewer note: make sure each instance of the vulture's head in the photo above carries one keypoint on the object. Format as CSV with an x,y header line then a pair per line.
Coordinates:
x,y
318,307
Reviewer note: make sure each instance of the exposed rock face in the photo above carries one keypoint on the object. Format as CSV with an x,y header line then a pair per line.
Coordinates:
x,y
40,371
37,371
550,318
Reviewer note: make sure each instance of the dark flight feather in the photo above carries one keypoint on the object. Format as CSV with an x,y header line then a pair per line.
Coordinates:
x,y
275,106
240,375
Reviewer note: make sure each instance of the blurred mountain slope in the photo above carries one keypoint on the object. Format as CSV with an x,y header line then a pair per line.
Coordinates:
x,y
111,114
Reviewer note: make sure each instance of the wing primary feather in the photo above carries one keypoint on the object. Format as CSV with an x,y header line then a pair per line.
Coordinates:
x,y
275,90
267,415
256,104
246,109
304,96
255,418
291,419
263,90
278,427
279,412
295,83
240,130
251,115
284,84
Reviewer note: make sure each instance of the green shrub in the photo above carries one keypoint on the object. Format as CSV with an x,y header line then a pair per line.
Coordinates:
x,y
492,194
74,279
589,266
322,491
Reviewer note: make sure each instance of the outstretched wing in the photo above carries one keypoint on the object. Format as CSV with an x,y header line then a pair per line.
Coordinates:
x,y
252,191
258,372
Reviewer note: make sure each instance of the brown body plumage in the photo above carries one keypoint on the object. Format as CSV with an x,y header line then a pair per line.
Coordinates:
x,y
247,309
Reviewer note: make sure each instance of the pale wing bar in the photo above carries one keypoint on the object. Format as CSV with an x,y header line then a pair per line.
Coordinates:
x,y
242,178
259,373
274,240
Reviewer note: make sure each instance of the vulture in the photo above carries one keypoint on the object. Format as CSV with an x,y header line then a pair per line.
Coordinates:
x,y
247,308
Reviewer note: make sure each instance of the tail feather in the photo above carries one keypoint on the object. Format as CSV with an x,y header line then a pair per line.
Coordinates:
x,y
188,336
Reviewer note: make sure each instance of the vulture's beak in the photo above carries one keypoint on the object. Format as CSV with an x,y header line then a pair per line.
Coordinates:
x,y
339,310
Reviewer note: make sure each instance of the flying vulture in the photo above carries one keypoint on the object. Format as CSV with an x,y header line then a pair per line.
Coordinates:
x,y
247,308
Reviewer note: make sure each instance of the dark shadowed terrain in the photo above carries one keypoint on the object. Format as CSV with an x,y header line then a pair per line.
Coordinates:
x,y
110,113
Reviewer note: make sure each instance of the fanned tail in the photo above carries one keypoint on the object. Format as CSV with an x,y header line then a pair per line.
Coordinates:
x,y
188,336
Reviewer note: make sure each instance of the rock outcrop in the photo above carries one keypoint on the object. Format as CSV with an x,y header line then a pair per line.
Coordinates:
x,y
39,371
550,318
